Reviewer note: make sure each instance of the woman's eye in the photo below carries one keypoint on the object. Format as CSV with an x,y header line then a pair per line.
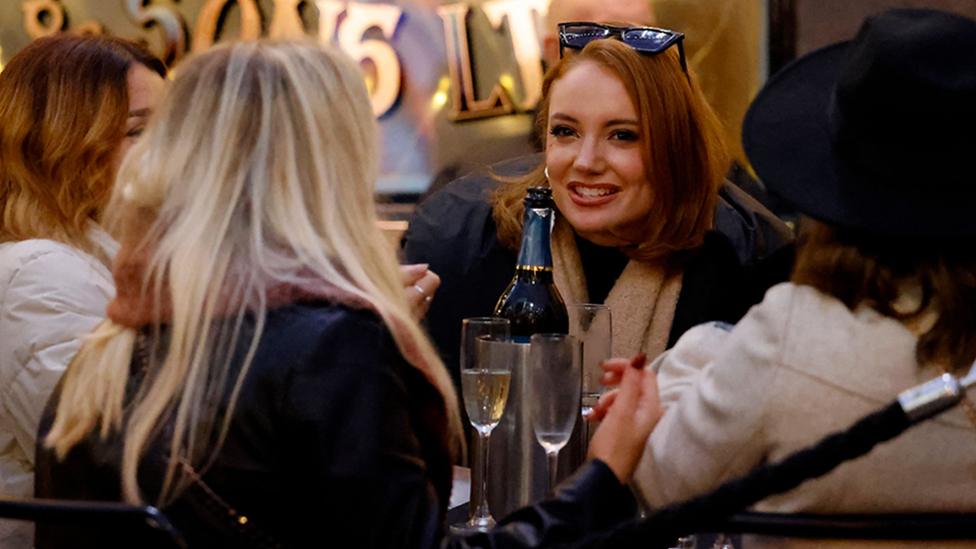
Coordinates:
x,y
625,135
135,132
561,131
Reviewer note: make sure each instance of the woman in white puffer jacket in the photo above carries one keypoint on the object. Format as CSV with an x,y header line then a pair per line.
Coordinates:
x,y
70,107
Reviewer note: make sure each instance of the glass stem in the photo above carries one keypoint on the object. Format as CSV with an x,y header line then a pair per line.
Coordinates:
x,y
585,436
553,468
481,511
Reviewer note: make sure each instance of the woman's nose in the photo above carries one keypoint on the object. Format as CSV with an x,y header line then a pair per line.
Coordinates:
x,y
589,156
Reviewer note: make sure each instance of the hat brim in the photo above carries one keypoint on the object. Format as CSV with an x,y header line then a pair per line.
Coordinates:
x,y
786,135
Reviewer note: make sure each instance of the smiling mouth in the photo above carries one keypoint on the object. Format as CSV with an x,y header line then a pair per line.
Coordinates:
x,y
592,193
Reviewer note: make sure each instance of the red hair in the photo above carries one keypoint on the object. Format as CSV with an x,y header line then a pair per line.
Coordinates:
x,y
685,159
64,104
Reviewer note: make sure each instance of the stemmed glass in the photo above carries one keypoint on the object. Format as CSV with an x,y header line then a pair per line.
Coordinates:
x,y
487,355
554,382
591,323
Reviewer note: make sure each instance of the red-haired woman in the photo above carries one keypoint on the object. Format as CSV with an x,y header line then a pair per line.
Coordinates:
x,y
70,107
646,223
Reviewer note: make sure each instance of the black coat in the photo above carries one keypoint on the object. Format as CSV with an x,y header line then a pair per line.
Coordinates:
x,y
748,251
327,445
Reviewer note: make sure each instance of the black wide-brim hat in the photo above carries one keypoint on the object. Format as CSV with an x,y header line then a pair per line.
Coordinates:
x,y
878,133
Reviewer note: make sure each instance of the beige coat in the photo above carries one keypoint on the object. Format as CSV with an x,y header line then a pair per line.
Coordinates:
x,y
799,366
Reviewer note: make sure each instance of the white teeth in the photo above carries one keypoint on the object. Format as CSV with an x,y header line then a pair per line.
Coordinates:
x,y
590,192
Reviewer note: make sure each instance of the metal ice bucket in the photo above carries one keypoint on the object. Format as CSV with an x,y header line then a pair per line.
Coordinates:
x,y
517,474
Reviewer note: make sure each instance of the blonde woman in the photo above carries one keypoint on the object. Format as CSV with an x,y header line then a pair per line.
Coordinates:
x,y
260,359
70,106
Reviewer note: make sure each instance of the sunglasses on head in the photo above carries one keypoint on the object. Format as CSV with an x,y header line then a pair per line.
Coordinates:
x,y
652,40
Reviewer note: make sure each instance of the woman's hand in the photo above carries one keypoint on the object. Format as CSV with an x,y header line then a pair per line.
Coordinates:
x,y
629,414
613,371
420,284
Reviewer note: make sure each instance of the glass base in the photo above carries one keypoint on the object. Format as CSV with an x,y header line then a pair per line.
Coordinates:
x,y
477,524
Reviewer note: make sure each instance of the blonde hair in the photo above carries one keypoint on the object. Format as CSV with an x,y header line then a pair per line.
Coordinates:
x,y
257,171
64,101
685,158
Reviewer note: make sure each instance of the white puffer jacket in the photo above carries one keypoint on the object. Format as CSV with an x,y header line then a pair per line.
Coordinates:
x,y
51,295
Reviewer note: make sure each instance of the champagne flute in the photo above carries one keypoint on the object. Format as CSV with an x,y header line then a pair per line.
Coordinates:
x,y
487,355
554,381
591,323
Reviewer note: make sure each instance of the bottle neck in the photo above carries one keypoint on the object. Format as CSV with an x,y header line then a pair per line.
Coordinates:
x,y
535,254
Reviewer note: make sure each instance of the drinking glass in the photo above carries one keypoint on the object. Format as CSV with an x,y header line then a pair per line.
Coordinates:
x,y
554,383
591,323
486,357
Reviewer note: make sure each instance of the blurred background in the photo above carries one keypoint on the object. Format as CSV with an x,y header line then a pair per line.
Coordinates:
x,y
454,83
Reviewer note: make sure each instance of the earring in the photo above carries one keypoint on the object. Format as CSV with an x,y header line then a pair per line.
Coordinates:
x,y
545,172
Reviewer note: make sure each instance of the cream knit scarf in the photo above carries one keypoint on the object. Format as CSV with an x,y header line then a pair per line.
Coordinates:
x,y
642,301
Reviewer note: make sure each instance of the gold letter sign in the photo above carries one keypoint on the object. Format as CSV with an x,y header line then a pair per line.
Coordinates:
x,y
206,29
384,80
167,20
525,41
466,105
363,30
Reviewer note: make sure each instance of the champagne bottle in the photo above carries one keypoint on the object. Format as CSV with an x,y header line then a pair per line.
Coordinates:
x,y
531,301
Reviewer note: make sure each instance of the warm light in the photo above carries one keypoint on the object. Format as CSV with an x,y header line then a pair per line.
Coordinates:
x,y
440,97
370,79
1,59
507,82
438,101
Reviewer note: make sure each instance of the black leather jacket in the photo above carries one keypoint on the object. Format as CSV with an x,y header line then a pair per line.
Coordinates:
x,y
327,447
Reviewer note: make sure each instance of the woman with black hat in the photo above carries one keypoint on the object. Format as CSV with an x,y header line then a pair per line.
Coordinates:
x,y
872,139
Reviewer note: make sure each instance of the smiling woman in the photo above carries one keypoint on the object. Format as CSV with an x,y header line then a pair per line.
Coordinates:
x,y
635,160
646,222
634,154
594,158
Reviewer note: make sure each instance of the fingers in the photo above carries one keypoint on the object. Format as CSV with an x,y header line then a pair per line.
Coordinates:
x,y
649,408
419,289
629,389
613,368
634,386
429,283
615,364
645,408
436,278
411,274
599,411
629,413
